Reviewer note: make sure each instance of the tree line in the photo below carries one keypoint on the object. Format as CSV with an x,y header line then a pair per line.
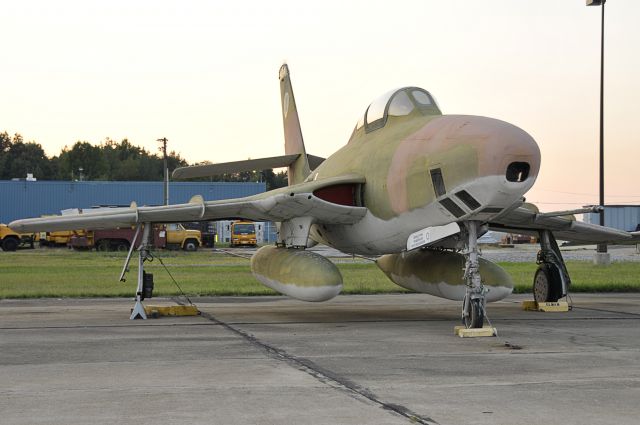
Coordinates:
x,y
108,161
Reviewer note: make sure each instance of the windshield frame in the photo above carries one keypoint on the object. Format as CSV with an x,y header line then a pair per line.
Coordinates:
x,y
388,97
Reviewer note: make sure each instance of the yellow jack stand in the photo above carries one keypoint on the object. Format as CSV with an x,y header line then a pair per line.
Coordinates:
x,y
559,306
171,310
463,332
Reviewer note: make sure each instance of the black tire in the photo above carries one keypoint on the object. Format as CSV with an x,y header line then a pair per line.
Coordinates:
x,y
547,286
475,318
102,246
10,244
191,245
122,246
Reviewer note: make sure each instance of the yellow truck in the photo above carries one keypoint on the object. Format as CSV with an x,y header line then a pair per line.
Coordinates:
x,y
179,237
243,233
10,240
59,238
170,236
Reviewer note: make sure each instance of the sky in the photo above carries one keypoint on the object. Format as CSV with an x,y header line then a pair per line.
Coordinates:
x,y
204,75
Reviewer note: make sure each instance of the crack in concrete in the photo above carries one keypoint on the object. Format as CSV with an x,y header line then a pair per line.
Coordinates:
x,y
606,311
323,375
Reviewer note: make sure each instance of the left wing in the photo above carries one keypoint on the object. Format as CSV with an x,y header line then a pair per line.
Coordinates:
x,y
525,218
277,205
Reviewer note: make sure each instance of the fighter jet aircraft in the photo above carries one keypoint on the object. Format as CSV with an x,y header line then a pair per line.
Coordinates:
x,y
412,186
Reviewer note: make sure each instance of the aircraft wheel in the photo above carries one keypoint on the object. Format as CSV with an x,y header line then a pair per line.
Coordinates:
x,y
547,286
474,319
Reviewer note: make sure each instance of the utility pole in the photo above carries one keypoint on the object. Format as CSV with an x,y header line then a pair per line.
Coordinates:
x,y
163,149
601,256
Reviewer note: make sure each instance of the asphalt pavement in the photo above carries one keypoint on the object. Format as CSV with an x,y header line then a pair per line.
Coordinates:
x,y
382,359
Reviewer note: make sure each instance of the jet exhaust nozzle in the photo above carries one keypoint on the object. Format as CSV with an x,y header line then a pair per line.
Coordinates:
x,y
297,273
441,273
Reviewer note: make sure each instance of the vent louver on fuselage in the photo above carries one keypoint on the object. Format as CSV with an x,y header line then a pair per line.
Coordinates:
x,y
438,182
468,200
452,207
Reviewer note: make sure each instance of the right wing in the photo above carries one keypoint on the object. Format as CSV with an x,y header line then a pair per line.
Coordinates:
x,y
277,205
525,218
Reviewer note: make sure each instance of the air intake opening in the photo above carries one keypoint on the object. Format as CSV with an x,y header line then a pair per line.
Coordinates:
x,y
518,171
342,194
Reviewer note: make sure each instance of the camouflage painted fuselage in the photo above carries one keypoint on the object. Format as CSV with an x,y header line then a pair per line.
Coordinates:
x,y
471,152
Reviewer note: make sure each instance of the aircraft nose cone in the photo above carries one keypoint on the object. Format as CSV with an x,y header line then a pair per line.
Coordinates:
x,y
500,148
505,150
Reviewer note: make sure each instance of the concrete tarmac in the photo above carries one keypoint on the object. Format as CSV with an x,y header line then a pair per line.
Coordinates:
x,y
383,359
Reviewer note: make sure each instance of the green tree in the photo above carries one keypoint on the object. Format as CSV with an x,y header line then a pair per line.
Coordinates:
x,y
17,158
83,158
5,145
273,180
111,160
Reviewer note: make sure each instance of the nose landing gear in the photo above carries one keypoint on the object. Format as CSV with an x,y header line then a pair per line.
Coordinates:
x,y
473,305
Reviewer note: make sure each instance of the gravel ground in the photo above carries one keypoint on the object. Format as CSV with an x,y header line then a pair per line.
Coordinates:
x,y
517,254
525,253
522,254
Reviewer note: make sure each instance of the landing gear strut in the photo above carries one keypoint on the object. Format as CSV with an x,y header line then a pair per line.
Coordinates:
x,y
551,281
473,306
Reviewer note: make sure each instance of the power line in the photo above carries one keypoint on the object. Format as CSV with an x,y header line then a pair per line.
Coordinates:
x,y
588,194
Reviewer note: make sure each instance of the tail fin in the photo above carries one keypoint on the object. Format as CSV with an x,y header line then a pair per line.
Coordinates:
x,y
293,142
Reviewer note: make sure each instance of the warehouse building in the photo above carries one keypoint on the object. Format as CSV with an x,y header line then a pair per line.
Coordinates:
x,y
622,217
25,199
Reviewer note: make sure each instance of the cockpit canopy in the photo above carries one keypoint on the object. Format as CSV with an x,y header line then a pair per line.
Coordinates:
x,y
397,103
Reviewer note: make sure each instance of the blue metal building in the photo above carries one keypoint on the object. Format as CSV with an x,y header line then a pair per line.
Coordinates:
x,y
622,217
25,199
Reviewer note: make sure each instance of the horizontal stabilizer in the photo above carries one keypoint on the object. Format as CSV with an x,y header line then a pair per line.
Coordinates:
x,y
314,161
207,170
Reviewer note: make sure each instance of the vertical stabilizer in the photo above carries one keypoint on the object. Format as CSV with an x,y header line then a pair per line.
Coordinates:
x,y
293,142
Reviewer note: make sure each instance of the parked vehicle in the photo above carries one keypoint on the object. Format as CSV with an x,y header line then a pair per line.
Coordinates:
x,y
171,236
59,238
514,238
243,233
179,237
10,240
207,231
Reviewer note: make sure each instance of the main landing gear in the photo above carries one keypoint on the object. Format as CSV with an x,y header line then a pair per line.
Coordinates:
x,y
473,305
551,281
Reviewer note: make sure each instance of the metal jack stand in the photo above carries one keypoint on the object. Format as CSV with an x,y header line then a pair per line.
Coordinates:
x,y
138,308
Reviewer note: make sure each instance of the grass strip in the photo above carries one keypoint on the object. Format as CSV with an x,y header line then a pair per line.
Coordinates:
x,y
60,273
